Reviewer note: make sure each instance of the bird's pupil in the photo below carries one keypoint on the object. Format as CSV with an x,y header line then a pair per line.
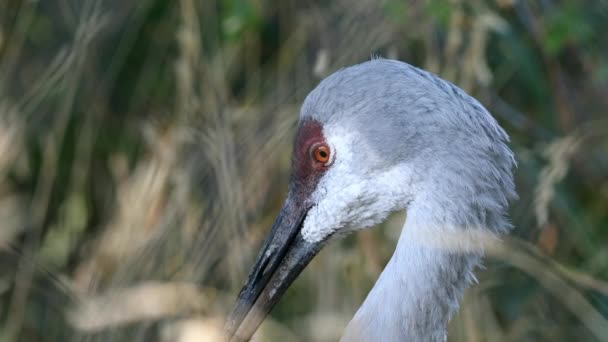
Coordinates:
x,y
323,154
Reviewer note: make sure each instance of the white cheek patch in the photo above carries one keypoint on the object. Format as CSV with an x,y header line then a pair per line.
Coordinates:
x,y
349,196
333,213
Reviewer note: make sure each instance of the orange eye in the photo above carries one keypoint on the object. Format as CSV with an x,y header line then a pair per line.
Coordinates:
x,y
321,153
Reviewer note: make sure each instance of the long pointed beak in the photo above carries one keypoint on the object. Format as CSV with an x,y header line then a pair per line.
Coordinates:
x,y
283,256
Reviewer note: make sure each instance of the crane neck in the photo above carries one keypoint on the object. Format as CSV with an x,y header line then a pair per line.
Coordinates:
x,y
420,287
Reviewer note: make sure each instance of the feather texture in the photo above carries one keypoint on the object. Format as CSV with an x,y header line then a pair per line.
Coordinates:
x,y
405,139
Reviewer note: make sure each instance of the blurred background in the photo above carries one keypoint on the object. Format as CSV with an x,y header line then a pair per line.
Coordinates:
x,y
145,150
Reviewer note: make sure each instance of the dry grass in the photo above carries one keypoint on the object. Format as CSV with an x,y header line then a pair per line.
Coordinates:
x,y
144,149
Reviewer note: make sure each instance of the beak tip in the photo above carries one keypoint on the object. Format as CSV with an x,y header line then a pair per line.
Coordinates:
x,y
281,259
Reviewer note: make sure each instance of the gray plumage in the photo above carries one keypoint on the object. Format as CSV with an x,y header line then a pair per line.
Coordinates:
x,y
393,137
460,173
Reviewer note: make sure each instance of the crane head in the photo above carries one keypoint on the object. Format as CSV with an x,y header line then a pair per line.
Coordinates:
x,y
369,139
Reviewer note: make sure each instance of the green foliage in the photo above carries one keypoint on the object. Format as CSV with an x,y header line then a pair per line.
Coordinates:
x,y
440,11
239,17
566,26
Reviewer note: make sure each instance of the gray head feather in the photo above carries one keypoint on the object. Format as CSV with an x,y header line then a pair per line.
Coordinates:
x,y
408,115
459,175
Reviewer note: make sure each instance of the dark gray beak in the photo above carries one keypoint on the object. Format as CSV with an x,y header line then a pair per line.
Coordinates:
x,y
284,255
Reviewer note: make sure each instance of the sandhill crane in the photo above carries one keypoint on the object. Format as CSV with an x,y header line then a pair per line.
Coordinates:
x,y
375,138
